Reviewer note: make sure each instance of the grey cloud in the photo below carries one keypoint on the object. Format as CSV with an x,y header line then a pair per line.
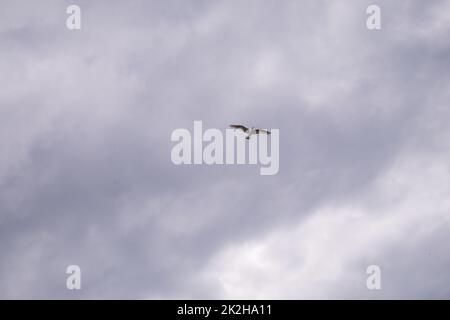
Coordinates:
x,y
86,118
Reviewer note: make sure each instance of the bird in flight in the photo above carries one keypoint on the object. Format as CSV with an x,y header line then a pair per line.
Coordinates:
x,y
249,131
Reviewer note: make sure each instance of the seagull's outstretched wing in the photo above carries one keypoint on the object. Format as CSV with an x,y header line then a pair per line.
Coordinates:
x,y
262,131
238,126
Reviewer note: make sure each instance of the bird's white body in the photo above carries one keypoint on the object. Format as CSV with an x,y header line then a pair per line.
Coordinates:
x,y
251,132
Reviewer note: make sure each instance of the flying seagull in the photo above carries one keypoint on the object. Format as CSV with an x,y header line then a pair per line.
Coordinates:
x,y
249,131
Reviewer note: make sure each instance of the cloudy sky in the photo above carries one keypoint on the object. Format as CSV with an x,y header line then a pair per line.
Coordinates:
x,y
86,176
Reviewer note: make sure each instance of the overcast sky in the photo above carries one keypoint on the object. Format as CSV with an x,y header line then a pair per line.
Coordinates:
x,y
86,176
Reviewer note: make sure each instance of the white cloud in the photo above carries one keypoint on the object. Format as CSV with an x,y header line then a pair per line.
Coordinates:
x,y
326,254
